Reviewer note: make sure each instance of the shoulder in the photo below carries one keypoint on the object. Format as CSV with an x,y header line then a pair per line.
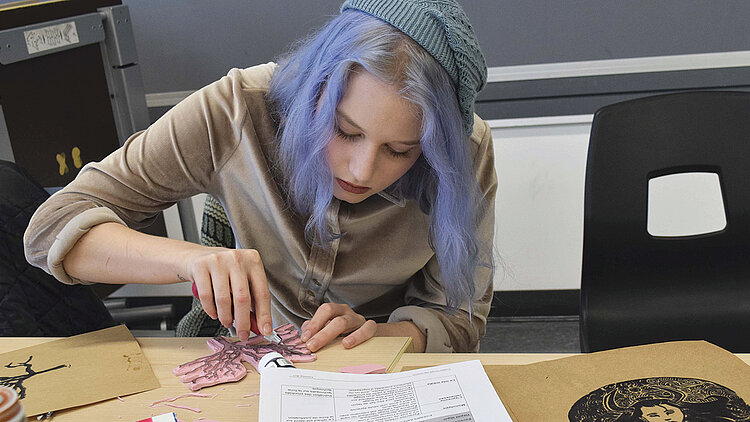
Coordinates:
x,y
251,85
254,78
480,133
227,111
230,93
483,156
227,96
480,139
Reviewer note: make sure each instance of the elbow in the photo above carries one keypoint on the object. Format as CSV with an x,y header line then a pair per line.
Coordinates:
x,y
34,253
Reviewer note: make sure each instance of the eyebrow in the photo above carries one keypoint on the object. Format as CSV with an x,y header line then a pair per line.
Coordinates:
x,y
351,122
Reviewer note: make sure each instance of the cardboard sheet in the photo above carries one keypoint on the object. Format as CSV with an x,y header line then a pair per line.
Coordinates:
x,y
675,381
77,370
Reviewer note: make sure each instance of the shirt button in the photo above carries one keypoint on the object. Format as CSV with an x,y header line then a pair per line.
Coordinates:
x,y
316,282
310,294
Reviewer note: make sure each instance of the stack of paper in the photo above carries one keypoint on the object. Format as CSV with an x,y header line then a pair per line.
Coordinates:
x,y
459,392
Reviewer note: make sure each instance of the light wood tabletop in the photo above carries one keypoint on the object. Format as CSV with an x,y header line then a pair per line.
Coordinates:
x,y
164,354
411,360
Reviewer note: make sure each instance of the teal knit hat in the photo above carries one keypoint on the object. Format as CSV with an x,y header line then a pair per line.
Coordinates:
x,y
442,28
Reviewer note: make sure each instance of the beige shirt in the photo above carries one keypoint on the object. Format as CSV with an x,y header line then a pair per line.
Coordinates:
x,y
220,140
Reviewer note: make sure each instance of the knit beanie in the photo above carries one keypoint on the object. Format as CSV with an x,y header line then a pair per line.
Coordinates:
x,y
442,28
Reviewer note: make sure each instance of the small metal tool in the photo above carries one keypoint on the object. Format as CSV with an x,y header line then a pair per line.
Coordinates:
x,y
274,338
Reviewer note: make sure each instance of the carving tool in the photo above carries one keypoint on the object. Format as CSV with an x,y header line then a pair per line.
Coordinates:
x,y
271,338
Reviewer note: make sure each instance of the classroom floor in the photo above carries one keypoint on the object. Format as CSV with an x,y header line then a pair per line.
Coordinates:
x,y
532,335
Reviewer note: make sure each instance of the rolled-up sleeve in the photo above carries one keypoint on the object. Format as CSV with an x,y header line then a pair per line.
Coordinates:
x,y
458,332
173,159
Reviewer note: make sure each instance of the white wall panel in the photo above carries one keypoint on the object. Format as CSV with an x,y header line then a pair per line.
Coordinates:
x,y
541,166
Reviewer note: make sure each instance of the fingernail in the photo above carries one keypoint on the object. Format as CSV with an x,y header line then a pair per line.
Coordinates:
x,y
347,342
312,345
267,329
244,335
305,336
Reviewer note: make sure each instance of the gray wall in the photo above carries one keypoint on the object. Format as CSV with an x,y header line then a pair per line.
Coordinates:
x,y
185,44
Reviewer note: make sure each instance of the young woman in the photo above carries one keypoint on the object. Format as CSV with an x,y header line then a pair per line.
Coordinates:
x,y
359,185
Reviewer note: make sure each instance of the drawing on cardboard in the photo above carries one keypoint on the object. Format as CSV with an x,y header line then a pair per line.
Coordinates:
x,y
16,382
661,399
225,365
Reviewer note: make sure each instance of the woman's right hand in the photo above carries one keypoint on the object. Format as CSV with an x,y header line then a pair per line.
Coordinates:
x,y
231,284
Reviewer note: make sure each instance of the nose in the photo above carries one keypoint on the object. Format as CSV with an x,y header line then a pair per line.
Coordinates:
x,y
362,164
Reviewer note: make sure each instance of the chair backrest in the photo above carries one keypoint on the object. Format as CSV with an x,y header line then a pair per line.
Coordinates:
x,y
637,288
215,227
32,302
217,232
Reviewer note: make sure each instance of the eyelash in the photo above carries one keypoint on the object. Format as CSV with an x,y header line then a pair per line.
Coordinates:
x,y
349,137
345,135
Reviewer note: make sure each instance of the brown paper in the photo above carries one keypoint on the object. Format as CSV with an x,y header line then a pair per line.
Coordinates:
x,y
77,370
676,381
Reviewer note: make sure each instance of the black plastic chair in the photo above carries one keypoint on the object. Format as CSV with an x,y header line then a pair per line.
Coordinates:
x,y
637,288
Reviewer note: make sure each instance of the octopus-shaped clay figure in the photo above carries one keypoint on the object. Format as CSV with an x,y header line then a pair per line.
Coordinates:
x,y
225,365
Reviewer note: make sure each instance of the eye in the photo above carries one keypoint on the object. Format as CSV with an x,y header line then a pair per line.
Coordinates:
x,y
346,136
397,154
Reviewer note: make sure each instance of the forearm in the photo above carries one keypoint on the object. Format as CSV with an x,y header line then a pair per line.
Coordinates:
x,y
403,329
115,254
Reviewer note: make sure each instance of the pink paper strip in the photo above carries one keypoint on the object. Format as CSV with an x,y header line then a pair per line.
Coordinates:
x,y
170,399
193,409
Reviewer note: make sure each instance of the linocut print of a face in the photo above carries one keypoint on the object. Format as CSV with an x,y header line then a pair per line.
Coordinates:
x,y
661,399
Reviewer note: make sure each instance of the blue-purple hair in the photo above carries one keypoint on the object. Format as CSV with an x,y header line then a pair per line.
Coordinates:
x,y
305,91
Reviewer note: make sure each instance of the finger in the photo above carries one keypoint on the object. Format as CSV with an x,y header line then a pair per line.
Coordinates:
x,y
222,294
360,335
202,279
338,325
261,297
323,314
241,300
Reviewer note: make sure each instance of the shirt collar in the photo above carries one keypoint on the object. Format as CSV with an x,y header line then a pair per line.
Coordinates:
x,y
394,198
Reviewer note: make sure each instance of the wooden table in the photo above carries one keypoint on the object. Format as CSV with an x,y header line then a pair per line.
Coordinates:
x,y
229,405
410,360
537,409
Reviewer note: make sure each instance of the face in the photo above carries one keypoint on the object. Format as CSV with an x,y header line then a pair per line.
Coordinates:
x,y
662,413
376,139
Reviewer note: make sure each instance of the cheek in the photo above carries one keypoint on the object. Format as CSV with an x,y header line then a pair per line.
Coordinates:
x,y
399,168
334,154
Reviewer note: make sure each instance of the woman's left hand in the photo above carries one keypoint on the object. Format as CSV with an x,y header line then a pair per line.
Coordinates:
x,y
332,320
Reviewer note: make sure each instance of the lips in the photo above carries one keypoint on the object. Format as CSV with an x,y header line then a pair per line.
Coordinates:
x,y
352,188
